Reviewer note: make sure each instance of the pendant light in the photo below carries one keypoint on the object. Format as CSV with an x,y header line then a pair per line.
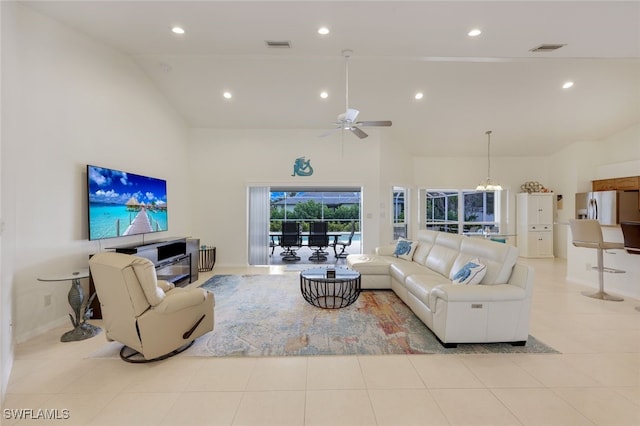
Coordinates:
x,y
488,184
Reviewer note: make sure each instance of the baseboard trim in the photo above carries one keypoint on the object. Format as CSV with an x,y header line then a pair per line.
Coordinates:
x,y
60,322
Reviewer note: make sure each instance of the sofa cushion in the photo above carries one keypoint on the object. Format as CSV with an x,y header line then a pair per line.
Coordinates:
x,y
405,249
499,258
420,285
471,273
369,265
386,250
426,240
444,253
401,269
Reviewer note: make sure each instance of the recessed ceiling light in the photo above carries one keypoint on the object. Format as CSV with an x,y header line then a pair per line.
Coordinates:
x,y
323,31
474,33
324,95
227,95
419,95
177,30
567,85
165,67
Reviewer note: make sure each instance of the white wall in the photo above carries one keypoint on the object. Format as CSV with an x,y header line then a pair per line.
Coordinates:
x,y
225,162
73,101
6,349
619,154
395,170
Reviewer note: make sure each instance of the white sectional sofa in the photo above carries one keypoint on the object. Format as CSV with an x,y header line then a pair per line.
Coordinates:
x,y
495,310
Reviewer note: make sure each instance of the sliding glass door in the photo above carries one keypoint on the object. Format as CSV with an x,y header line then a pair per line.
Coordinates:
x,y
340,207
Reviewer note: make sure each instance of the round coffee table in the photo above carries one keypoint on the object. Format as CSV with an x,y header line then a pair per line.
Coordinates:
x,y
330,292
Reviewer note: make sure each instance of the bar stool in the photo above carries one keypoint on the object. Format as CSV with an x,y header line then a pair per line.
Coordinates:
x,y
631,235
588,234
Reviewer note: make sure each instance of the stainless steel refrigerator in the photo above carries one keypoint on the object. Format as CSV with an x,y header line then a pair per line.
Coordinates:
x,y
608,207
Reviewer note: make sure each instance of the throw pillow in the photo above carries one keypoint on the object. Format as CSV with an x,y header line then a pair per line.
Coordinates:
x,y
471,273
404,249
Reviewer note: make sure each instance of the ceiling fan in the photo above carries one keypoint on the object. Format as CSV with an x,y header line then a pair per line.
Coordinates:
x,y
348,119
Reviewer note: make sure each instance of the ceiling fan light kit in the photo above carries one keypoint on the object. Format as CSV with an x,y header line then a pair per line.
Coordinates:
x,y
348,119
488,184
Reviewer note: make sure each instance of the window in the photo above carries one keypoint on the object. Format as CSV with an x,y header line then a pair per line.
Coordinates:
x,y
398,205
338,208
398,214
480,212
460,211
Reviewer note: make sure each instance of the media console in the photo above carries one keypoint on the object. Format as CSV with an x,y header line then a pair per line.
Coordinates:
x,y
175,259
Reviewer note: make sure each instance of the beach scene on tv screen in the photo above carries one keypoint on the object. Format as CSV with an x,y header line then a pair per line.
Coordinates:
x,y
123,203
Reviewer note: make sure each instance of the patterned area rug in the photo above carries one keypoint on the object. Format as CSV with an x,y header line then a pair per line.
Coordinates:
x,y
265,315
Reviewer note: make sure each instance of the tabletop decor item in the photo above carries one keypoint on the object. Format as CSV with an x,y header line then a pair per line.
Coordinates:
x,y
533,186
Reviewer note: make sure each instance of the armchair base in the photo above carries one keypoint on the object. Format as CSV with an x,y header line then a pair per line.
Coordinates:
x,y
139,359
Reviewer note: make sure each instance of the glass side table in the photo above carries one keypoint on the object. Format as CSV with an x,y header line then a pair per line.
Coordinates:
x,y
82,329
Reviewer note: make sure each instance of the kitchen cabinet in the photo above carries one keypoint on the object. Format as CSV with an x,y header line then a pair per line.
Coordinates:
x,y
603,185
628,183
620,184
534,213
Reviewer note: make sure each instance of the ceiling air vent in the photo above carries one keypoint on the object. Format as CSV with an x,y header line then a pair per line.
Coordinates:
x,y
547,47
279,44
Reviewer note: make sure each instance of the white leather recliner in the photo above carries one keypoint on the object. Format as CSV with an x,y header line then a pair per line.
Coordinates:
x,y
149,316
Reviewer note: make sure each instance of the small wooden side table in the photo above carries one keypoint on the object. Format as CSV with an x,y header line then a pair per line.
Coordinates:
x,y
82,329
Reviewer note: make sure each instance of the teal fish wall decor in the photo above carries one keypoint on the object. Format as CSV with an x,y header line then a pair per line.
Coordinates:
x,y
302,167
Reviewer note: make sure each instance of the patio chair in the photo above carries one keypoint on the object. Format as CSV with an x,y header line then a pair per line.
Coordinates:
x,y
343,244
319,239
273,244
290,241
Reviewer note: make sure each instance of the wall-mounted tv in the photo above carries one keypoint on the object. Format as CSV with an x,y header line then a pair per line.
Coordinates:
x,y
122,203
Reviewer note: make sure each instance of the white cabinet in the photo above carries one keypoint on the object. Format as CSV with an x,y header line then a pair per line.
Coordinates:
x,y
534,214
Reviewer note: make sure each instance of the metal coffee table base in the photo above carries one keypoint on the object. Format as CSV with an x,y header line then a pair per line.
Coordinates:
x,y
327,294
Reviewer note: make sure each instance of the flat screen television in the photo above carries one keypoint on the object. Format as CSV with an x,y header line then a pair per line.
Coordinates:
x,y
122,203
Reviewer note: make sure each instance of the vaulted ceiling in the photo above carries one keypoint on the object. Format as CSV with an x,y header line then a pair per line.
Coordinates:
x,y
470,84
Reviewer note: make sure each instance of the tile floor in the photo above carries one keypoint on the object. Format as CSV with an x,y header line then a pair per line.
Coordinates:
x,y
595,381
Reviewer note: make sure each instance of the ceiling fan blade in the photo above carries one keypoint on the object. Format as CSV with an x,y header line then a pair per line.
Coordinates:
x,y
325,134
382,123
359,133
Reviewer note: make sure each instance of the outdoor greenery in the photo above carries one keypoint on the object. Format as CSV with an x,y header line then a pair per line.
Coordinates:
x,y
442,210
339,219
398,206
